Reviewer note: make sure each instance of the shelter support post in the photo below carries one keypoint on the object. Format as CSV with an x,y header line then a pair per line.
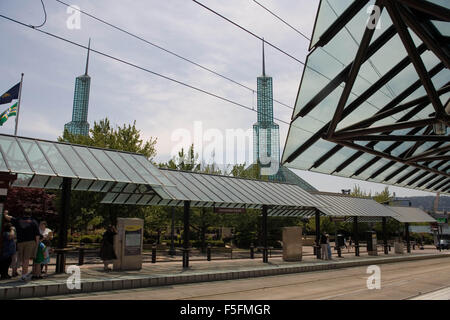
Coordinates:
x,y
317,216
355,234
386,251
172,251
187,205
264,234
408,243
63,218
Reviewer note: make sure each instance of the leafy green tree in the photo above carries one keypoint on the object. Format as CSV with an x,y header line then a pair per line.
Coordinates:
x,y
86,209
186,161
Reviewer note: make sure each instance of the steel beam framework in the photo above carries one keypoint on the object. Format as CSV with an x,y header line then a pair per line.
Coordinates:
x,y
408,17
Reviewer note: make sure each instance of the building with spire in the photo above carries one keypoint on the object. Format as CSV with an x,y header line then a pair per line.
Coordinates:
x,y
79,124
266,133
266,136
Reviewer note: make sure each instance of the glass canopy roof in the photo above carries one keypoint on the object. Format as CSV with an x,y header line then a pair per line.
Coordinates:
x,y
373,103
44,164
207,190
129,178
340,205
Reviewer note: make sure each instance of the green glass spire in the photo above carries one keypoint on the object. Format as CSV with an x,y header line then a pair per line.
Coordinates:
x,y
266,133
79,124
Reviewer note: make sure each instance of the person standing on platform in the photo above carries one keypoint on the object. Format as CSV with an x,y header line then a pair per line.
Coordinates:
x,y
323,247
27,240
8,249
107,253
328,247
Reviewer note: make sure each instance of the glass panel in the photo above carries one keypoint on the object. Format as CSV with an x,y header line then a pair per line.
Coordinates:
x,y
122,198
75,162
125,167
22,180
220,193
152,169
54,183
109,197
109,165
97,186
39,181
93,164
133,199
108,186
130,188
83,185
36,158
3,166
150,179
119,186
58,162
14,155
145,199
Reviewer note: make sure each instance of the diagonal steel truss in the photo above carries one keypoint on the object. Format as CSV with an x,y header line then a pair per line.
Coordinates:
x,y
415,15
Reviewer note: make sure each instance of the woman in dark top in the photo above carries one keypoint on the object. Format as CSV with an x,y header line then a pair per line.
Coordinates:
x,y
107,253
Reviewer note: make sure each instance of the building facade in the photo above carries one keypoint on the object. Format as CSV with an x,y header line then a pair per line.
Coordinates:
x,y
266,133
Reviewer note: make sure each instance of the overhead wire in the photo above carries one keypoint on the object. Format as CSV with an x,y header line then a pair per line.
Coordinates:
x,y
166,50
144,69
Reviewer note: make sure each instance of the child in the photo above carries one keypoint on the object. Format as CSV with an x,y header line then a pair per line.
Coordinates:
x,y
39,259
44,265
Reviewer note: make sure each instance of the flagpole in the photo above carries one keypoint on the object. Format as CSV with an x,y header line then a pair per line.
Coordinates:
x,y
18,105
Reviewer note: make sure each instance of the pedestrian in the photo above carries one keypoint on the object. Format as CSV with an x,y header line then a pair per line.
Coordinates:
x,y
107,253
47,237
328,247
323,247
39,259
14,259
44,264
27,239
8,249
349,243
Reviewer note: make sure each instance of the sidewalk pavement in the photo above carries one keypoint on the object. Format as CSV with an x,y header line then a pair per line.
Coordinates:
x,y
93,278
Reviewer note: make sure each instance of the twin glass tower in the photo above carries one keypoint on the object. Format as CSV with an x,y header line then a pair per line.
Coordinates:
x,y
266,133
79,124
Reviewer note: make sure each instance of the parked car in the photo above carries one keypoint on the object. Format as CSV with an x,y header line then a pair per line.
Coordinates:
x,y
443,244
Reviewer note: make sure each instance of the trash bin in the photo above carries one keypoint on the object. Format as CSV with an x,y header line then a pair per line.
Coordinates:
x,y
371,238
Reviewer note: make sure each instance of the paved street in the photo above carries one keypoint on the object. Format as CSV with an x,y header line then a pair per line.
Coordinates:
x,y
429,279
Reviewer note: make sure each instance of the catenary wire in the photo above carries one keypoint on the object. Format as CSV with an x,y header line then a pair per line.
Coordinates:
x,y
145,69
45,17
282,51
326,51
166,50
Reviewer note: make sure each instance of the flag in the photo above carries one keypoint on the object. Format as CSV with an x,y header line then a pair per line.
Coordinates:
x,y
10,112
10,95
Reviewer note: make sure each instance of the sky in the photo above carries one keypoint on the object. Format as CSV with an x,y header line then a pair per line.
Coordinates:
x,y
175,114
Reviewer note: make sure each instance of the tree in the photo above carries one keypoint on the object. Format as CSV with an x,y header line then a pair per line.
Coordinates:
x,y
41,203
125,138
85,206
184,161
384,196
358,192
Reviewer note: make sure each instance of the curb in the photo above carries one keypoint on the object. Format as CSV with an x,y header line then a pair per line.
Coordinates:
x,y
90,285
